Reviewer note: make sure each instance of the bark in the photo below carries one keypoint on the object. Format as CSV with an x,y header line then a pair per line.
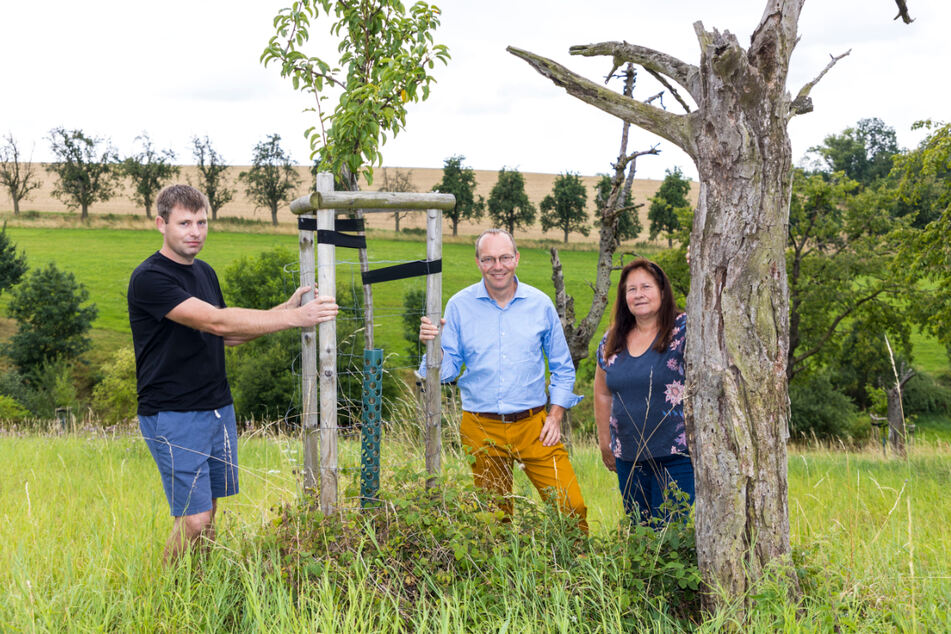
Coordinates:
x,y
737,408
897,430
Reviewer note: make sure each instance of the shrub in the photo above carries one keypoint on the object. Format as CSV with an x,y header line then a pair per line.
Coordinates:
x,y
414,307
115,398
12,411
51,319
923,394
423,544
819,410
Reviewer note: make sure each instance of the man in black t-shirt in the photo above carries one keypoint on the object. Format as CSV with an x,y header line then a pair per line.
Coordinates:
x,y
180,326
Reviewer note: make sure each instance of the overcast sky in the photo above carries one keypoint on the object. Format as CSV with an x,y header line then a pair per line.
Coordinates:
x,y
175,69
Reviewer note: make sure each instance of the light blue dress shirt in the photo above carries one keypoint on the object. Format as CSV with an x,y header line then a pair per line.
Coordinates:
x,y
503,351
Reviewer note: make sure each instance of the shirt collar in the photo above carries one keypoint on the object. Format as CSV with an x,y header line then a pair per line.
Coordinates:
x,y
520,291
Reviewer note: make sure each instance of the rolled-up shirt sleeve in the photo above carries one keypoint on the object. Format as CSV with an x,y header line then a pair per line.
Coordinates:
x,y
562,371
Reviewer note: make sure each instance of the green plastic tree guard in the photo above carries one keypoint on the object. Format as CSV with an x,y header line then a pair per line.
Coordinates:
x,y
370,445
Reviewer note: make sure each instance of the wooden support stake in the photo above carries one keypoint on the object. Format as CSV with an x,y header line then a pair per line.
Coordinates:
x,y
433,393
327,368
308,347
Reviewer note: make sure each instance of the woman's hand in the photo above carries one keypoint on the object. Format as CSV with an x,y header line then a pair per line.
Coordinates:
x,y
602,416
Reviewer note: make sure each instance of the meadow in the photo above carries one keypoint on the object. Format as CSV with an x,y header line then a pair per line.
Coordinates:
x,y
84,520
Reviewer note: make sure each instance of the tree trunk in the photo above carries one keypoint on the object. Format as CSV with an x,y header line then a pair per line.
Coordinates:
x,y
897,432
84,212
274,214
455,227
566,236
16,206
737,404
396,217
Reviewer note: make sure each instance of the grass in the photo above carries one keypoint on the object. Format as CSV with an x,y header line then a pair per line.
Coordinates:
x,y
102,259
84,521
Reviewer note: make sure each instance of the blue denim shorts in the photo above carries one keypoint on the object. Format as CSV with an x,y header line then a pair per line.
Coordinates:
x,y
197,456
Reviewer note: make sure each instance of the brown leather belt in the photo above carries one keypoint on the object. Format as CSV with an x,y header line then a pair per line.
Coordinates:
x,y
514,416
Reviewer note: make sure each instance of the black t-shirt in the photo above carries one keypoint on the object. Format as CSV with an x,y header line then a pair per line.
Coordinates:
x,y
177,368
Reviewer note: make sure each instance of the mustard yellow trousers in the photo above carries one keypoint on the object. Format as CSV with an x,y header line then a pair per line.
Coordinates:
x,y
495,445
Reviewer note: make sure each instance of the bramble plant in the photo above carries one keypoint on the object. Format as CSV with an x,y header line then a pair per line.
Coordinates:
x,y
386,55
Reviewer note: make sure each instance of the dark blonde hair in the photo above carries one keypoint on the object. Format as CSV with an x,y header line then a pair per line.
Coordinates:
x,y
623,320
184,196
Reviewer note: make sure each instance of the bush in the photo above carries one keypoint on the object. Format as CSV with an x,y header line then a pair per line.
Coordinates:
x,y
819,410
414,307
12,411
51,320
115,398
923,394
422,544
264,374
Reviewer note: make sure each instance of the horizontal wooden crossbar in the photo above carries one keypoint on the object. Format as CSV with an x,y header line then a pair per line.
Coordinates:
x,y
372,201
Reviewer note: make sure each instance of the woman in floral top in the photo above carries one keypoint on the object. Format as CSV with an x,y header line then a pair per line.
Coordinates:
x,y
639,390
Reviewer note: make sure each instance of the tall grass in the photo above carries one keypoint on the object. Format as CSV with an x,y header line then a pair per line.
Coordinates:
x,y
83,523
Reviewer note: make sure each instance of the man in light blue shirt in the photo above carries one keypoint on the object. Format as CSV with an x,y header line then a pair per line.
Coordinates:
x,y
498,333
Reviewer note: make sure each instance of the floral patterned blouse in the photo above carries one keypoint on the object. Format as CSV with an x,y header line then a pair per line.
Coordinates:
x,y
647,411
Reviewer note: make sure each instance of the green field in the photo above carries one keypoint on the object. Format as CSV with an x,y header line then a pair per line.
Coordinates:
x,y
84,520
103,259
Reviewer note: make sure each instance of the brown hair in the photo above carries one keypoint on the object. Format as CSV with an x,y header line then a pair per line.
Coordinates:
x,y
623,320
184,196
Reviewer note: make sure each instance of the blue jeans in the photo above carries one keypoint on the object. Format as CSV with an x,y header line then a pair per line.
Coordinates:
x,y
644,483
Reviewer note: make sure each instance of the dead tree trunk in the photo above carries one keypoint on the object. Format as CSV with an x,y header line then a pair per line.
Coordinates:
x,y
895,413
737,334
578,335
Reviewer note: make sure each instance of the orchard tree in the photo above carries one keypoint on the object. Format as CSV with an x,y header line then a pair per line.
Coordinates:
x,y
149,170
921,178
16,176
737,334
272,177
211,175
398,181
926,255
629,225
52,320
12,264
668,204
460,181
840,253
87,167
509,206
564,207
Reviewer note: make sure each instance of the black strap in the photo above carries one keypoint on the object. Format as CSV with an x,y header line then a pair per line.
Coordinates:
x,y
336,238
402,271
348,224
340,224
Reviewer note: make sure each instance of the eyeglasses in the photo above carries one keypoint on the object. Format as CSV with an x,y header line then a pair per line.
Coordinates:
x,y
488,260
